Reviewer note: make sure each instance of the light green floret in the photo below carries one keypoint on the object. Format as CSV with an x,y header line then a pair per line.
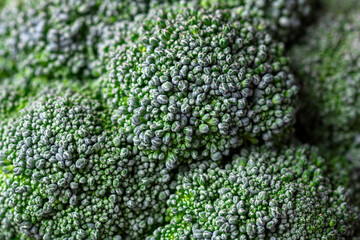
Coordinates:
x,y
198,83
327,62
66,175
261,194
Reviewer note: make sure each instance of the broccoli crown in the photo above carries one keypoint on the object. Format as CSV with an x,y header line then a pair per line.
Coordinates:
x,y
261,194
64,174
198,83
56,38
330,52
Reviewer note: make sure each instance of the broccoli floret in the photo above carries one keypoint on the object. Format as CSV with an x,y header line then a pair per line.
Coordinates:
x,y
56,38
281,17
327,63
59,39
261,194
198,83
66,174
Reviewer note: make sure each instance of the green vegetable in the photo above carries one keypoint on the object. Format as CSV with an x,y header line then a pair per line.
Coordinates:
x,y
261,194
65,174
58,39
198,83
165,119
327,62
282,18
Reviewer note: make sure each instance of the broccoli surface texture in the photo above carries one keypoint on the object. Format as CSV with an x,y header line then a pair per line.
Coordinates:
x,y
179,120
261,194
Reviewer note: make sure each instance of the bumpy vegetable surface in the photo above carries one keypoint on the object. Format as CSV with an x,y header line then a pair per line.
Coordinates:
x,y
58,38
119,120
262,194
65,175
281,17
198,83
327,64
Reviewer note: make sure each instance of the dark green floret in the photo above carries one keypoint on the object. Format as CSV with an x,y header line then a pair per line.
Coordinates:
x,y
261,194
64,39
283,18
172,120
198,83
327,63
56,38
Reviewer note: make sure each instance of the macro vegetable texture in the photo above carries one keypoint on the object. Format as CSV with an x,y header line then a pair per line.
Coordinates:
x,y
280,17
165,119
261,194
65,175
199,83
57,38
326,61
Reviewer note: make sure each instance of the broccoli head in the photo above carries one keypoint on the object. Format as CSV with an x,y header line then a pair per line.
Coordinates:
x,y
261,194
198,83
63,39
65,175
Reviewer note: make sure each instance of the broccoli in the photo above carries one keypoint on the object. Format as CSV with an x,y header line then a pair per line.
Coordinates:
x,y
15,93
281,17
198,83
261,194
327,63
63,39
165,119
58,39
65,175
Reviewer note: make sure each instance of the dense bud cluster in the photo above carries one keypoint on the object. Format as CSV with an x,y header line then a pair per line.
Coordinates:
x,y
262,194
65,175
327,64
280,17
199,83
119,118
58,38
